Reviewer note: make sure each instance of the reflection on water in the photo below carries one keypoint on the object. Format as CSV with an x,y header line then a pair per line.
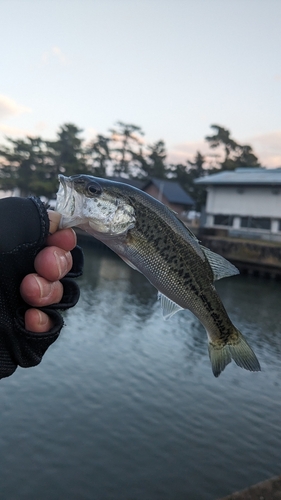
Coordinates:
x,y
116,281
125,406
258,306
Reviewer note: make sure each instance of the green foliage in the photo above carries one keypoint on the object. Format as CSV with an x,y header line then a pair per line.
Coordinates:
x,y
126,153
153,165
33,164
99,156
25,165
246,157
235,155
185,176
67,152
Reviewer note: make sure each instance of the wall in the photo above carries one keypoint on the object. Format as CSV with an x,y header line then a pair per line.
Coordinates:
x,y
153,191
251,201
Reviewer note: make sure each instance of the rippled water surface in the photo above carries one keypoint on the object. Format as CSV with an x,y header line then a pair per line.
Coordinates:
x,y
124,405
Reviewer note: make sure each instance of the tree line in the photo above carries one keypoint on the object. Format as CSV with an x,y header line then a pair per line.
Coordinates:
x,y
32,164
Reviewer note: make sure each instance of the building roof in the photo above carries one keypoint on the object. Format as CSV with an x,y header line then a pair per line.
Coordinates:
x,y
171,190
244,176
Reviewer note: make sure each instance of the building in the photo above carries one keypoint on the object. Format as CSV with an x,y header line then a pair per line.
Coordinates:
x,y
171,194
245,202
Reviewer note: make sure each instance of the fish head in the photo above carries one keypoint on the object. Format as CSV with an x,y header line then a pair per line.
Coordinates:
x,y
93,204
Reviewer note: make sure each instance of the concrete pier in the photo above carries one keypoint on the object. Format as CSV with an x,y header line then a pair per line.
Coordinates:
x,y
261,258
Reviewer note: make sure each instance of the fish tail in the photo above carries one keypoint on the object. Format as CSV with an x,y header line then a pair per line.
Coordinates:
x,y
237,349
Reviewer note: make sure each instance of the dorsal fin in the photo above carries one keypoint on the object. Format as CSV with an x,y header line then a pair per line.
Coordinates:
x,y
220,266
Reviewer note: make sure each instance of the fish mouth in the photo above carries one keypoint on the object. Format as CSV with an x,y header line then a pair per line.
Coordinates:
x,y
64,193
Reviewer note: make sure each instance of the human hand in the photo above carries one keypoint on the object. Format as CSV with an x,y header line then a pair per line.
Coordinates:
x,y
43,288
35,257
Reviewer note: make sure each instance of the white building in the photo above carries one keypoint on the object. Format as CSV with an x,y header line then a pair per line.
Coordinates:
x,y
245,202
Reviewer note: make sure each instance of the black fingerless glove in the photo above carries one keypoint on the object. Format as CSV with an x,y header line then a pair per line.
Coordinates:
x,y
24,226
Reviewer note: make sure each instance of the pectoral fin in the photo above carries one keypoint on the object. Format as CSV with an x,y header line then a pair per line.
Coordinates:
x,y
169,308
128,262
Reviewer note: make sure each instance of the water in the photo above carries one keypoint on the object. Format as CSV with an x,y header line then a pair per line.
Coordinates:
x,y
124,405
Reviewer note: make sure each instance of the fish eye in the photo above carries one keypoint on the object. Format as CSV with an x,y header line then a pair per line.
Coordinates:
x,y
94,189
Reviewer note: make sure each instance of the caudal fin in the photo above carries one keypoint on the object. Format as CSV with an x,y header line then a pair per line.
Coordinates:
x,y
238,350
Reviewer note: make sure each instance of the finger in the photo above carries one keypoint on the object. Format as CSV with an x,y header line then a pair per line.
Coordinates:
x,y
54,218
53,263
38,291
37,321
65,238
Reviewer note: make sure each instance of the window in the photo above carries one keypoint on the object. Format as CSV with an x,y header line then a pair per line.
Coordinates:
x,y
256,222
223,220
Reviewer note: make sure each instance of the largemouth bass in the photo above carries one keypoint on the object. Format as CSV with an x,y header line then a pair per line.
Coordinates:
x,y
150,238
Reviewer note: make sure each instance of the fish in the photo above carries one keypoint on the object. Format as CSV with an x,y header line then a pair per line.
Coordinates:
x,y
152,239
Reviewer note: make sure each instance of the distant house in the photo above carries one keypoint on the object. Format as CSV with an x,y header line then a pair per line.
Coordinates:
x,y
245,202
170,193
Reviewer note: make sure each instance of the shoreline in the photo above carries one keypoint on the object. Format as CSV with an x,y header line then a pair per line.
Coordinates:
x,y
269,489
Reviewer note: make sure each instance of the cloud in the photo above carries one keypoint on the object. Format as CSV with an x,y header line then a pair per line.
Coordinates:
x,y
58,53
41,126
267,147
14,131
90,134
9,107
54,54
180,153
270,140
21,133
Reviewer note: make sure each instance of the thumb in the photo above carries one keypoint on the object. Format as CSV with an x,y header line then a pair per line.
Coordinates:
x,y
54,218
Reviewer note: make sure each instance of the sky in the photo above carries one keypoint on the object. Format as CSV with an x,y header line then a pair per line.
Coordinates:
x,y
172,67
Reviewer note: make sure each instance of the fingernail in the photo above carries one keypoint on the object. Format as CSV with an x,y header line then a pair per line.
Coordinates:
x,y
62,263
44,287
42,318
54,218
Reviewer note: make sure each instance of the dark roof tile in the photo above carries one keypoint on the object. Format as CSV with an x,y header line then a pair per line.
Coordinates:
x,y
172,191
